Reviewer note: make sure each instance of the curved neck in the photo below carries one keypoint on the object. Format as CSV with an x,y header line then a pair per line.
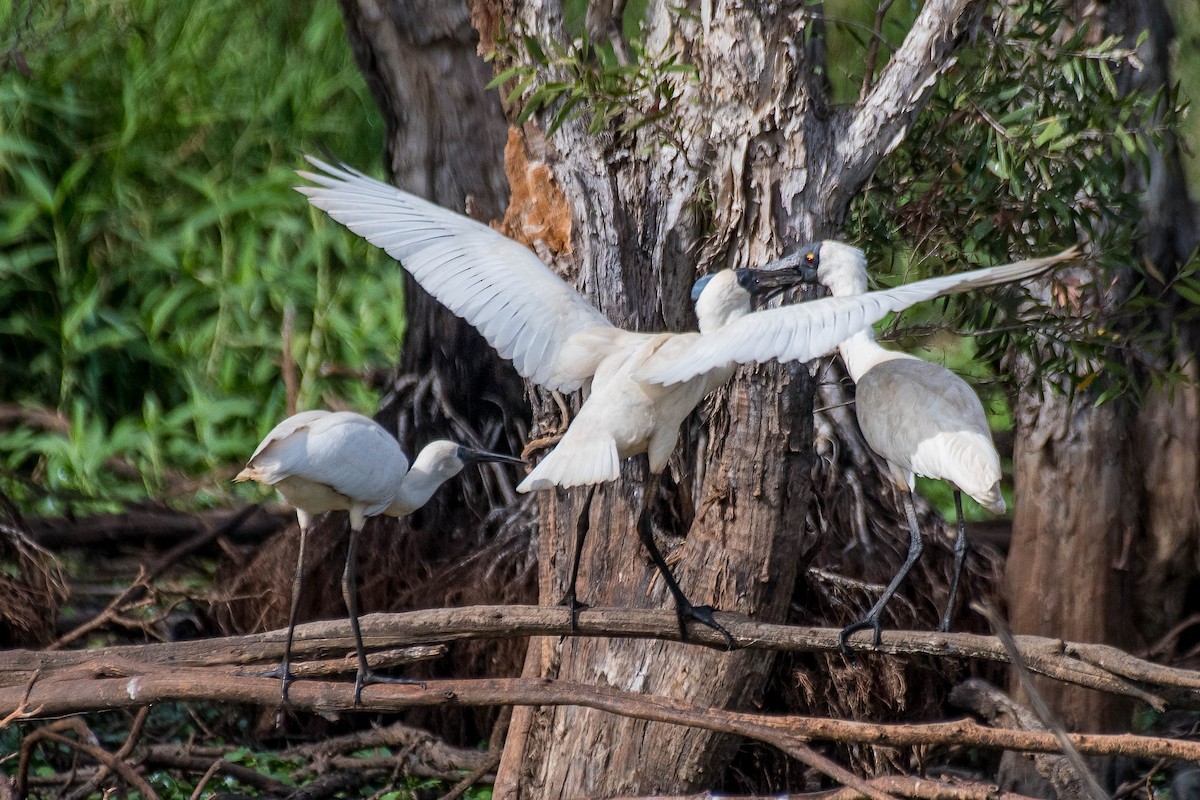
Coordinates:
x,y
861,352
418,486
711,320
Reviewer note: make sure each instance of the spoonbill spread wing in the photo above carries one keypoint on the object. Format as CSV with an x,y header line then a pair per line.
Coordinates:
x,y
805,331
496,284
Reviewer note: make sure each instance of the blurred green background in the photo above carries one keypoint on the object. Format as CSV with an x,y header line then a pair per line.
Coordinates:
x,y
152,249
152,252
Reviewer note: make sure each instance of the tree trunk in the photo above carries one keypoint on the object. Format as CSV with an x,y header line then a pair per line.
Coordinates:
x,y
1106,525
756,135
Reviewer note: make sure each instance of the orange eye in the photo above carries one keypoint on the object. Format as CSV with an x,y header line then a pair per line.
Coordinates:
x,y
809,257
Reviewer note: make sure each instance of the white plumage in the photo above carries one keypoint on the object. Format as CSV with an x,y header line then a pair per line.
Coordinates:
x,y
341,461
922,418
809,330
642,385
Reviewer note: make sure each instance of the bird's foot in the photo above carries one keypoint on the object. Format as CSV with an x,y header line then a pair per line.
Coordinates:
x,y
703,615
366,678
285,675
870,621
570,601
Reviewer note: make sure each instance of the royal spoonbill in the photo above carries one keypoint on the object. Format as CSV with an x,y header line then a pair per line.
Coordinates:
x,y
920,417
557,339
341,461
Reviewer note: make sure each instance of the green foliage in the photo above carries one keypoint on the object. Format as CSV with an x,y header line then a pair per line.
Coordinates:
x,y
575,79
1186,67
151,244
1026,145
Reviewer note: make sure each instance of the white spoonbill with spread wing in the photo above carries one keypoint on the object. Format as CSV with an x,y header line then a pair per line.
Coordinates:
x,y
341,461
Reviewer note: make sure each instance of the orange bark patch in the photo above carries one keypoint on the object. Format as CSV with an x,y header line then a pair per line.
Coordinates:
x,y
485,18
537,208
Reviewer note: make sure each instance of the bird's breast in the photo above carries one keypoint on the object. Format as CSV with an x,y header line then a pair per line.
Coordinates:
x,y
313,497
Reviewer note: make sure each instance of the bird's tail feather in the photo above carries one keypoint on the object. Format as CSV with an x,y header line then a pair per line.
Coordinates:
x,y
575,461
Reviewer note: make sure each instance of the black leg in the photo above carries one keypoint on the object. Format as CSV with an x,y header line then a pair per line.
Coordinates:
x,y
570,600
684,609
872,617
283,671
364,675
960,555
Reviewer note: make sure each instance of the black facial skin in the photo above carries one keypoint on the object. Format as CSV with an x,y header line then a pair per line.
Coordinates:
x,y
796,268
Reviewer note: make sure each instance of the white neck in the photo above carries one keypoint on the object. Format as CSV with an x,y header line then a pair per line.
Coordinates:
x,y
418,486
721,302
861,352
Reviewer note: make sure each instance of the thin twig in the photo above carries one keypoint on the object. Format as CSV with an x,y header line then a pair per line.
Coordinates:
x,y
1039,703
105,758
126,748
873,48
461,787
204,779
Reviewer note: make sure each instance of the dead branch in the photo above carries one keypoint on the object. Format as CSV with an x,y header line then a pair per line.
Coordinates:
x,y
422,746
347,782
151,524
900,785
96,753
126,748
139,588
384,659
460,788
1001,711
178,758
1093,666
1082,773
784,731
924,789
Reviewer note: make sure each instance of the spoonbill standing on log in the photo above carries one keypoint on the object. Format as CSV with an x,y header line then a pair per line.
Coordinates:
x,y
557,339
341,461
920,417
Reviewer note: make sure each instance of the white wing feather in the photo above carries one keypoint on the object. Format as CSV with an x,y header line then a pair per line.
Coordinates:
x,y
286,428
806,331
497,285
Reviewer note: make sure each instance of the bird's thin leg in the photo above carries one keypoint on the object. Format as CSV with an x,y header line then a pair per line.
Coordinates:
x,y
872,617
684,610
960,555
570,600
364,675
283,671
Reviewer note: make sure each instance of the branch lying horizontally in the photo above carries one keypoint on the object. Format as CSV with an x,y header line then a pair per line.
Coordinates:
x,y
1093,666
789,733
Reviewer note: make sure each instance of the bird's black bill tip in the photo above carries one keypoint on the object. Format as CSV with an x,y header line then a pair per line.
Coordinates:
x,y
469,455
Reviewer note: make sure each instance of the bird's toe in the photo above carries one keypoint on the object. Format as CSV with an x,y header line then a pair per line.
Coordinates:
x,y
704,615
574,605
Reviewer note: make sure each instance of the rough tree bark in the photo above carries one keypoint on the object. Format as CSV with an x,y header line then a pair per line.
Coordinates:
x,y
778,165
1106,526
